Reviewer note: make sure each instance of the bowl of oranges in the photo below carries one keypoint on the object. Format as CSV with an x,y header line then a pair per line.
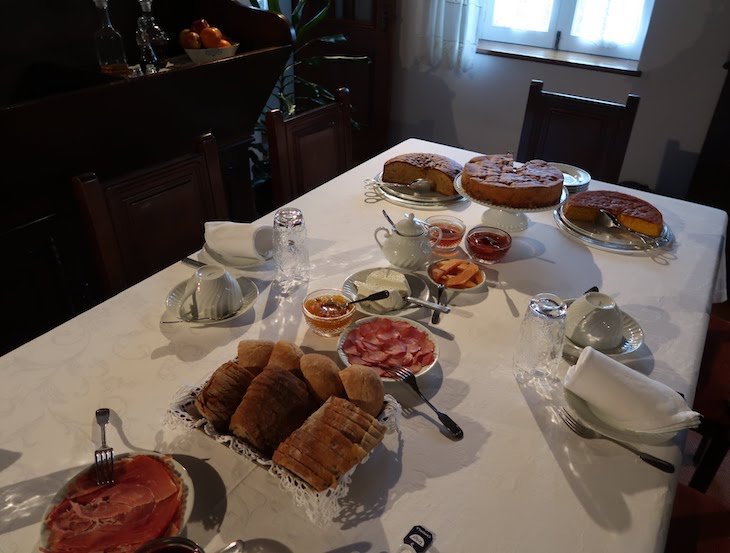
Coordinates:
x,y
203,42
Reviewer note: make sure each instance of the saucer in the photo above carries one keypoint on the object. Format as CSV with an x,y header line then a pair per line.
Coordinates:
x,y
579,408
175,297
633,337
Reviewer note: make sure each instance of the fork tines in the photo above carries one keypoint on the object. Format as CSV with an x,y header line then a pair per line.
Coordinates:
x,y
104,464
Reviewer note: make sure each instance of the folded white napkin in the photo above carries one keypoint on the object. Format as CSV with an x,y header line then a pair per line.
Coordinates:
x,y
240,239
627,399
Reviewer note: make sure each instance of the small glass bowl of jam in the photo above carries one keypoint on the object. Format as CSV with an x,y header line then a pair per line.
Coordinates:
x,y
327,311
487,244
452,231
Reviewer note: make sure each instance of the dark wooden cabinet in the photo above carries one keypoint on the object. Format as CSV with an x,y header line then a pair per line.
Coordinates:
x,y
80,122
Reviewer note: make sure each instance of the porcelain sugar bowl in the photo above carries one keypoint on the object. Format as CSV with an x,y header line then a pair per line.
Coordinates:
x,y
407,245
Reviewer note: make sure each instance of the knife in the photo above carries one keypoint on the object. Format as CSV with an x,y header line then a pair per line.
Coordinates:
x,y
431,305
437,314
191,261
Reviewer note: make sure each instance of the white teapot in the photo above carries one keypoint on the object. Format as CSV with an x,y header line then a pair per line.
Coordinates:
x,y
408,246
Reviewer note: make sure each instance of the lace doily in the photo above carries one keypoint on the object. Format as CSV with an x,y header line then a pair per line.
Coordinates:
x,y
321,507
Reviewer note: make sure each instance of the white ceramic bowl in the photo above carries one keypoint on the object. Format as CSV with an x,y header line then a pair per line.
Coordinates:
x,y
201,55
594,320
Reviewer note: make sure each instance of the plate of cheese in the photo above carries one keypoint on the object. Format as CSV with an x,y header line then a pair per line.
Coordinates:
x,y
399,283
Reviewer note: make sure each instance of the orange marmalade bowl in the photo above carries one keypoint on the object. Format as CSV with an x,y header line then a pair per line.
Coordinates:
x,y
326,311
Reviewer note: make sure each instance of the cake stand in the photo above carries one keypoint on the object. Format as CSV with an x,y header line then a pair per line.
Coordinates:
x,y
511,219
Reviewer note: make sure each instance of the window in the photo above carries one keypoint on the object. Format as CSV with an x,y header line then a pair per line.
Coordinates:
x,y
613,28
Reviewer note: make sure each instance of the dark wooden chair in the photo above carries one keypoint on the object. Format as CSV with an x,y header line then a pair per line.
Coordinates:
x,y
712,400
143,221
699,523
585,132
309,149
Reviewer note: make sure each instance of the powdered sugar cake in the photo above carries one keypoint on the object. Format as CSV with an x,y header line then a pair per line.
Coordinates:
x,y
498,180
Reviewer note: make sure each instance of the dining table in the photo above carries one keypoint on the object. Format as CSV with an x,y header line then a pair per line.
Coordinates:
x,y
519,480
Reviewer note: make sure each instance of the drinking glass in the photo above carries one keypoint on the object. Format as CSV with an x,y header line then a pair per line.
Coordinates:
x,y
291,255
540,342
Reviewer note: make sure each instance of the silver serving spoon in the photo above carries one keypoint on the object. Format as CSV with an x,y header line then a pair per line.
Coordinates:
x,y
418,185
609,220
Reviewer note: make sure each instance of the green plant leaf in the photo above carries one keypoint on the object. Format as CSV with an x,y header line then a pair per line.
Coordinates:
x,y
296,13
274,6
255,4
312,22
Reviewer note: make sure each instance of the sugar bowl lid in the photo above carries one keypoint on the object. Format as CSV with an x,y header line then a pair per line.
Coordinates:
x,y
408,226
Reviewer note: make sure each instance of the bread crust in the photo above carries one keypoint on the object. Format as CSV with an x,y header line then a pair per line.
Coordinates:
x,y
285,355
254,354
495,179
406,168
364,388
276,404
222,394
635,213
322,376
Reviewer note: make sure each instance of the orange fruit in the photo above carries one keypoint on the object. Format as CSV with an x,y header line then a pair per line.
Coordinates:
x,y
223,43
210,37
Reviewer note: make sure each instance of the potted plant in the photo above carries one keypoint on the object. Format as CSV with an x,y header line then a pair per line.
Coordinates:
x,y
292,93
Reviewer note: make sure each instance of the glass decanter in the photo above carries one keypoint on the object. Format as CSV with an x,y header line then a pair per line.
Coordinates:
x,y
109,44
156,35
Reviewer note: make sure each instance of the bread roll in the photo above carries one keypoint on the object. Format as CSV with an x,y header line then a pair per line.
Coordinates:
x,y
364,388
285,355
254,354
275,404
219,398
322,376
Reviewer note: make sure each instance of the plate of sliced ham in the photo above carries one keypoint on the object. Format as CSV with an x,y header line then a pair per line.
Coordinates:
x,y
388,342
152,497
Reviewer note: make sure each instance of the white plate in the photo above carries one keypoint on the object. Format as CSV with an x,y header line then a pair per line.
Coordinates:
x,y
232,261
419,289
633,337
580,409
174,299
419,326
573,177
188,495
610,239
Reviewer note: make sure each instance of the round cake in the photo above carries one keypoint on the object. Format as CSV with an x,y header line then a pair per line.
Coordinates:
x,y
635,213
406,168
496,179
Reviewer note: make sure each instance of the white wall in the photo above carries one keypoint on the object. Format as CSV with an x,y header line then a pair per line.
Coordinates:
x,y
482,110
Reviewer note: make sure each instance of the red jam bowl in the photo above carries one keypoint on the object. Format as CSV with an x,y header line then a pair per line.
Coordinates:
x,y
487,244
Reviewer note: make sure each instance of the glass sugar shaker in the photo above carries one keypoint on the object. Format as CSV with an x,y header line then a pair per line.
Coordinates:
x,y
540,342
291,255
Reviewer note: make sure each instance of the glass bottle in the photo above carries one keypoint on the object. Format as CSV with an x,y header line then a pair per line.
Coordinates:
x,y
156,35
109,45
147,57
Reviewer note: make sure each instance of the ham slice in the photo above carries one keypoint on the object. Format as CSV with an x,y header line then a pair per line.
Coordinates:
x,y
388,343
144,503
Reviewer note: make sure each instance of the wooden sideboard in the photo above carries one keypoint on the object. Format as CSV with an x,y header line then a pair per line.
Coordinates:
x,y
84,122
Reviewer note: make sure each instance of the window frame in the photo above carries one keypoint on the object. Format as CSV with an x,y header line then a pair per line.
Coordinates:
x,y
561,21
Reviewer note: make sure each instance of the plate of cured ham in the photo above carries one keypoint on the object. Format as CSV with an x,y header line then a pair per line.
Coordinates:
x,y
152,497
388,342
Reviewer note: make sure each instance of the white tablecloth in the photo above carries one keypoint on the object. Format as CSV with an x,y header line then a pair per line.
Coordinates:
x,y
519,480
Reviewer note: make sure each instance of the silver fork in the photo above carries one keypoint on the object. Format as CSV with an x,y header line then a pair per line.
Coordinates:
x,y
409,378
589,434
104,456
